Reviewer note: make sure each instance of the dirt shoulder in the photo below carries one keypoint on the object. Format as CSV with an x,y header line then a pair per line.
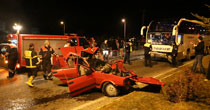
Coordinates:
x,y
147,99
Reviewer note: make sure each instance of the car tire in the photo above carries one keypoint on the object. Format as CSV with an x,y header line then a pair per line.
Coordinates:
x,y
110,90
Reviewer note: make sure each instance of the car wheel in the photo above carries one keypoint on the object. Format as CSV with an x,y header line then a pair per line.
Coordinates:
x,y
110,90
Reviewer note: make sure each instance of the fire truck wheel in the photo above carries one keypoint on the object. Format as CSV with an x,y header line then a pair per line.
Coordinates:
x,y
110,90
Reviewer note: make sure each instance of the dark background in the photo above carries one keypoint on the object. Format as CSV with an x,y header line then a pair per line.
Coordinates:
x,y
97,18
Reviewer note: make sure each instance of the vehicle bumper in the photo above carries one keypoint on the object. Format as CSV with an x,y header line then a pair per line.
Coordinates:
x,y
161,55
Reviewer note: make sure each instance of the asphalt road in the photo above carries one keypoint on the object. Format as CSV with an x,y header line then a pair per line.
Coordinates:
x,y
51,95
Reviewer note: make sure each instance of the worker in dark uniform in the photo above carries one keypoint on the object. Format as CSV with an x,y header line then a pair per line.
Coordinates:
x,y
208,72
127,53
199,52
46,52
147,56
174,54
12,60
31,64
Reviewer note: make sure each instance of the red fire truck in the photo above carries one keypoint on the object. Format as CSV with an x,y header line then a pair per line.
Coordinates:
x,y
56,41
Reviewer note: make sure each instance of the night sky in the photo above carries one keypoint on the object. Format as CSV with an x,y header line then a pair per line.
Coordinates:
x,y
97,18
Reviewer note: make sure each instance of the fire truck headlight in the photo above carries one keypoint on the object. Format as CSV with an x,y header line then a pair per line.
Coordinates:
x,y
18,65
6,61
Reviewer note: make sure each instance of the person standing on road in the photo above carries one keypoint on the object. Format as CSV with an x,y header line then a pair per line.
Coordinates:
x,y
147,56
174,54
208,73
31,64
199,52
114,47
46,52
127,53
131,45
12,60
105,50
121,48
117,44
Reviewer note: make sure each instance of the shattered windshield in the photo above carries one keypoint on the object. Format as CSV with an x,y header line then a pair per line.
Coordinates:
x,y
162,26
160,32
158,38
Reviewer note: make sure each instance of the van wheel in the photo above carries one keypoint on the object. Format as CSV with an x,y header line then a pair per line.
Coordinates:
x,y
110,90
188,57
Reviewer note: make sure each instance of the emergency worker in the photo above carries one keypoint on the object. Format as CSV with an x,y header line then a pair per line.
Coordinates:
x,y
12,59
46,52
174,54
31,64
131,45
127,53
147,49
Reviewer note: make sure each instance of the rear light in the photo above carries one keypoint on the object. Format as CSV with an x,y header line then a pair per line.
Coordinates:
x,y
18,65
6,61
127,82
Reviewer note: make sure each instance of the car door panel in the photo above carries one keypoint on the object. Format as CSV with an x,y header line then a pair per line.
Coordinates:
x,y
81,84
66,74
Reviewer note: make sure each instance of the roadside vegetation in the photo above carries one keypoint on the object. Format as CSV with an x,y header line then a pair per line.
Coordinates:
x,y
188,87
183,91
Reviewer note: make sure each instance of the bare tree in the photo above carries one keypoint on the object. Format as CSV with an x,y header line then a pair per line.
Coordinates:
x,y
204,19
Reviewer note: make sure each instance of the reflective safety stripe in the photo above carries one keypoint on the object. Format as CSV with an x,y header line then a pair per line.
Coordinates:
x,y
45,49
146,45
29,58
28,54
30,66
34,57
10,70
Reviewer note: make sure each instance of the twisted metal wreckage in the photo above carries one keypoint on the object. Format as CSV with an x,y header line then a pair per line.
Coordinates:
x,y
109,77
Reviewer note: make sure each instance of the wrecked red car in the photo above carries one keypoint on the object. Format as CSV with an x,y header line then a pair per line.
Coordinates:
x,y
109,77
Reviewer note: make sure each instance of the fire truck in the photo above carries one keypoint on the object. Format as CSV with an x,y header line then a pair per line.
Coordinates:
x,y
22,42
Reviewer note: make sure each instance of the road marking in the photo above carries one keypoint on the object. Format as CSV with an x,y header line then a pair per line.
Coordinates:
x,y
101,101
90,103
37,80
167,76
173,69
